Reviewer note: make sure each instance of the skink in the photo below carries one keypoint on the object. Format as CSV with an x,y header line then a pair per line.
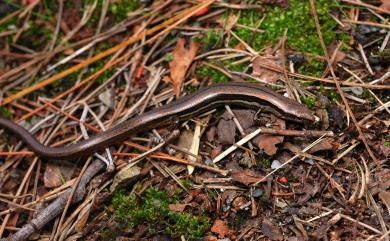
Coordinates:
x,y
243,94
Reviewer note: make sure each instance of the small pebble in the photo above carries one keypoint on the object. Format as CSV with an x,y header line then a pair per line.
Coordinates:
x,y
357,90
257,193
275,164
309,161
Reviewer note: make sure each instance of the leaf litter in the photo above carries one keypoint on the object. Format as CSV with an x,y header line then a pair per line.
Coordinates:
x,y
333,191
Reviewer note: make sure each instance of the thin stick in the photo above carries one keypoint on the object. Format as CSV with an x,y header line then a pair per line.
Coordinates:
x,y
345,101
236,145
176,20
290,160
379,25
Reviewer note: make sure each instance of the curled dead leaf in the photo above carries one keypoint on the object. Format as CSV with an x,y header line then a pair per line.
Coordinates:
x,y
246,177
268,142
271,231
220,227
182,59
263,73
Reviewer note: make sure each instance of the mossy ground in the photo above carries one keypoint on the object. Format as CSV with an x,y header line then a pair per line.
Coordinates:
x,y
301,33
152,209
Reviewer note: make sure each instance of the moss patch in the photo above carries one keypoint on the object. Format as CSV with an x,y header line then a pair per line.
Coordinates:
x,y
151,209
301,35
120,9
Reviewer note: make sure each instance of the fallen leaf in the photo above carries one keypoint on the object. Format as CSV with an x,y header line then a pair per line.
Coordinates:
x,y
268,142
246,118
226,129
381,148
240,202
270,230
323,145
182,59
178,207
210,238
340,56
125,176
82,218
385,197
219,227
216,151
246,177
309,191
320,232
385,5
231,21
211,133
55,175
336,116
264,74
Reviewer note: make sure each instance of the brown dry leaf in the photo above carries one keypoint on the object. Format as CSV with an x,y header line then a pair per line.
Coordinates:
x,y
55,175
385,5
83,218
231,21
268,142
226,129
270,230
246,177
240,46
216,151
323,145
210,238
211,133
246,118
266,75
220,227
177,207
340,56
309,191
239,202
385,197
182,59
185,140
125,176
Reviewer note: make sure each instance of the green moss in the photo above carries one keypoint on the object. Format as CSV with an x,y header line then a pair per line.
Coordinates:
x,y
152,209
312,67
8,24
309,101
186,183
265,162
333,95
387,143
168,57
215,75
211,39
301,35
5,112
36,36
368,96
120,9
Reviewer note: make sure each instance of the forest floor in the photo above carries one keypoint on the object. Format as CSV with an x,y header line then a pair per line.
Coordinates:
x,y
72,69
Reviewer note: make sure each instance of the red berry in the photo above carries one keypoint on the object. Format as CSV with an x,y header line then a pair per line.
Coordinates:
x,y
283,180
201,11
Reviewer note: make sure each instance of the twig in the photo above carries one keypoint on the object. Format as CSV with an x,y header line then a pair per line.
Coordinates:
x,y
235,146
176,20
382,10
379,25
290,160
56,207
361,134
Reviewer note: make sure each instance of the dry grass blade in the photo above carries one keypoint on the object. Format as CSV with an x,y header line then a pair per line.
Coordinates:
x,y
174,21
